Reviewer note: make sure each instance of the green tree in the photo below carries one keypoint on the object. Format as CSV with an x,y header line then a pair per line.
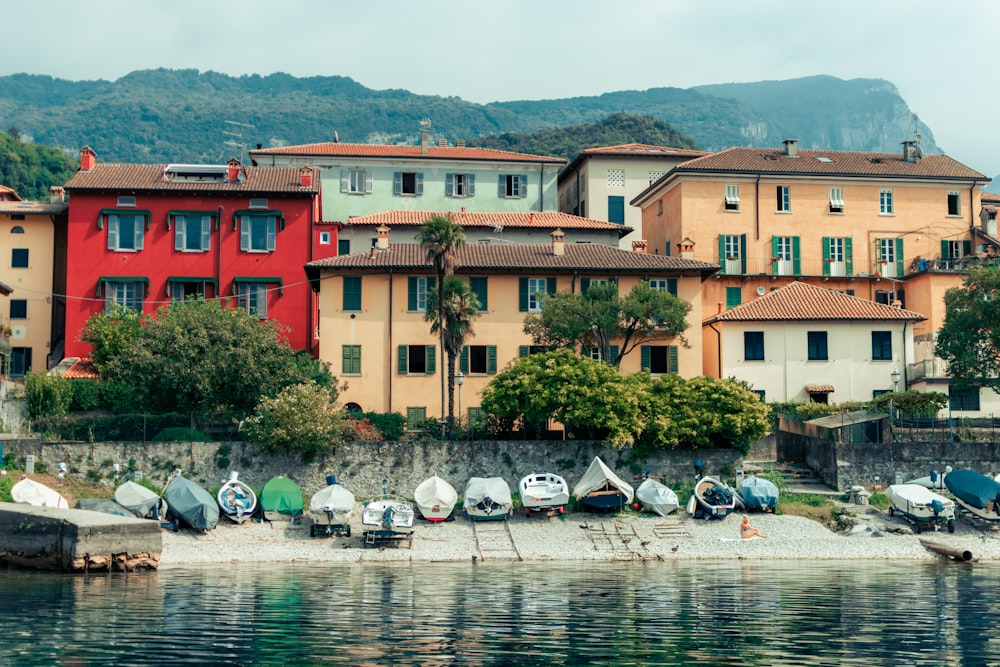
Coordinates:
x,y
570,319
302,417
970,336
48,395
110,333
439,238
452,318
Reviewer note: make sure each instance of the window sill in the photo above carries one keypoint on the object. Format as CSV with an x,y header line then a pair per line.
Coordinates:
x,y
115,250
731,210
887,215
257,252
836,213
783,212
407,194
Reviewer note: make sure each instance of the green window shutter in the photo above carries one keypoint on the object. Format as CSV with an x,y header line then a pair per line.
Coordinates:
x,y
502,192
403,365
352,292
206,232
722,254
431,282
463,359
774,254
796,256
743,253
672,286
900,269
550,284
826,255
431,359
244,233
345,180
672,361
411,294
523,351
369,180
397,182
522,185
352,359
478,285
734,297
612,354
449,185
522,292
966,248
180,236
945,249
849,256
646,355
491,359
584,286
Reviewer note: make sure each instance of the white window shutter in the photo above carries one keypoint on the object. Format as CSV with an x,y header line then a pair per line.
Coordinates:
x,y
420,183
140,227
449,185
503,186
470,185
112,232
345,182
369,180
522,185
397,183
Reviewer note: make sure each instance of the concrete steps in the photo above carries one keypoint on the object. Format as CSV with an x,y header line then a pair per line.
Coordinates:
x,y
798,478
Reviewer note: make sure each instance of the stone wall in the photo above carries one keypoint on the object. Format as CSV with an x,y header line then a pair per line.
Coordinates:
x,y
363,466
13,407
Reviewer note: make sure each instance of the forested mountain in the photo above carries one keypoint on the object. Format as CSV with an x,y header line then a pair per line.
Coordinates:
x,y
31,168
181,115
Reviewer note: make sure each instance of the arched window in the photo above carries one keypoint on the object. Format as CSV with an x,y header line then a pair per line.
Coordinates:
x,y
17,230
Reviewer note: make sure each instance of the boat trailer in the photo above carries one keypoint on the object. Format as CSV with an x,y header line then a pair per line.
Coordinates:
x,y
374,538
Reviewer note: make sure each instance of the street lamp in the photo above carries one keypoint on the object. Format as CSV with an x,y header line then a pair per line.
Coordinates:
x,y
895,387
459,380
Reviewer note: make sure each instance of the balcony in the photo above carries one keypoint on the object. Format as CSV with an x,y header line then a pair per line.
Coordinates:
x,y
952,264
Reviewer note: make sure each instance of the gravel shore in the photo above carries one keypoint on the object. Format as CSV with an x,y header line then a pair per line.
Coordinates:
x,y
581,536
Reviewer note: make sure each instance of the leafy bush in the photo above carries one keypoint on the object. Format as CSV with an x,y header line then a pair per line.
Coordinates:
x,y
181,434
302,417
391,425
48,395
360,430
85,395
116,396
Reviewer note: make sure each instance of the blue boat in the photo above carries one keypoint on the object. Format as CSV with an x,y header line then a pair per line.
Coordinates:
x,y
601,490
976,493
759,494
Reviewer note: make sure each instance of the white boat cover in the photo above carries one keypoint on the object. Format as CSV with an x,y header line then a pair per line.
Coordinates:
x,y
595,478
435,492
140,501
919,500
494,488
336,496
656,497
31,492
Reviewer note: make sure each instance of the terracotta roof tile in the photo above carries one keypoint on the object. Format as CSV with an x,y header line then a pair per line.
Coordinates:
x,y
477,257
150,177
819,388
8,194
31,208
991,197
546,220
335,149
800,302
82,369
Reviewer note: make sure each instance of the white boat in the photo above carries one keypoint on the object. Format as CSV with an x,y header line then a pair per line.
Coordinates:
x,y
543,491
487,499
331,508
236,499
31,492
656,498
601,489
435,499
712,499
935,480
388,514
921,507
140,501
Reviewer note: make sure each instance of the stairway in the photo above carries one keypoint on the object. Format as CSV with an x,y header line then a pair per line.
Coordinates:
x,y
798,478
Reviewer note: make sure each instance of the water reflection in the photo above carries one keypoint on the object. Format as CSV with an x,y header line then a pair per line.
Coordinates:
x,y
711,613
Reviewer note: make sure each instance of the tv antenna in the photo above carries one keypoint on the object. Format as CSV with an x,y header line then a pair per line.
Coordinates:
x,y
239,140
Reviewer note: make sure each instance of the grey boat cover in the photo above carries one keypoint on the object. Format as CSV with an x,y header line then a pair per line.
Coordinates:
x,y
494,488
191,504
759,493
974,488
103,505
336,496
656,497
597,475
140,501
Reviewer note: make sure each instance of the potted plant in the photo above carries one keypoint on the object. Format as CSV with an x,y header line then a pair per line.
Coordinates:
x,y
6,330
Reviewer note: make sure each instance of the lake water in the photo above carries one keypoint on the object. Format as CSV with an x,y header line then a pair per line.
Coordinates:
x,y
685,613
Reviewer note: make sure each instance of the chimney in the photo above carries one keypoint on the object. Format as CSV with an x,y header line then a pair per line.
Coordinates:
x,y
87,158
558,242
460,143
442,142
57,194
686,248
910,151
639,246
718,305
233,170
791,147
531,218
423,142
382,240
306,177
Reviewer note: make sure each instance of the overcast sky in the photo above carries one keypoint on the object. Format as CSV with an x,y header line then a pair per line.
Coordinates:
x,y
938,54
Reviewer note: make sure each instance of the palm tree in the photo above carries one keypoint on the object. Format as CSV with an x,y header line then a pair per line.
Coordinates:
x,y
440,237
457,308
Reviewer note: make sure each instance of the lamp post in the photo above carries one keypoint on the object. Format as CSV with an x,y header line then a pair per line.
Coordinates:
x,y
895,387
459,380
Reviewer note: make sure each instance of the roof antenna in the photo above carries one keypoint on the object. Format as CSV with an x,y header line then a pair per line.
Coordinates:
x,y
336,137
239,142
918,152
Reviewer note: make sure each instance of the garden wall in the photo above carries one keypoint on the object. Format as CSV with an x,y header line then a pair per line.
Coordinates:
x,y
363,466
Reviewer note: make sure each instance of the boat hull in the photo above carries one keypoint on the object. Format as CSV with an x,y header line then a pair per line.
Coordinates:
x,y
714,500
601,490
604,501
388,514
976,493
237,501
31,492
543,491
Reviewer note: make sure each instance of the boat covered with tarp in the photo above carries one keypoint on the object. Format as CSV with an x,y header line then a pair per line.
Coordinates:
x,y
759,494
976,493
331,508
140,501
656,497
104,506
33,493
435,499
190,504
281,499
601,489
487,499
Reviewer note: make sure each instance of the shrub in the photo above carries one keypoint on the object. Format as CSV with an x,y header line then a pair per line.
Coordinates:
x,y
48,395
181,434
391,425
302,417
85,395
360,430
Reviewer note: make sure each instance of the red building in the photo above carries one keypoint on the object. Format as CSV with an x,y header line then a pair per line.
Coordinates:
x,y
145,235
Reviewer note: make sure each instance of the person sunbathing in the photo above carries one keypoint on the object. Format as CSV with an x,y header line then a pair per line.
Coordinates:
x,y
747,531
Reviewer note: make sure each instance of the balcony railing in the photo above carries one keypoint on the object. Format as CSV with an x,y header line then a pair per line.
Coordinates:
x,y
814,267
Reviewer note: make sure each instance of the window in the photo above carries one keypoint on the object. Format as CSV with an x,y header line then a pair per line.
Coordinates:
x,y
324,238
616,210
761,395
784,199
125,232
126,201
17,229
654,176
734,297
885,206
889,253
126,294
478,285
837,256
531,291
732,197
416,359
459,185
19,258
18,309
664,285
352,360
513,185
890,297
753,345
478,359
355,181
343,247
836,200
408,183
881,346
964,399
954,203
415,417
258,232
182,289
955,249
817,346
616,178
258,202
20,363
785,257
416,293
352,293
659,359
192,233
252,297
586,283
597,353
659,207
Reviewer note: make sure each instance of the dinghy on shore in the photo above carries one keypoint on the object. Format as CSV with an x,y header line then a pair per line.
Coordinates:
x,y
190,504
543,491
657,498
711,499
600,489
236,499
32,493
975,493
488,499
281,499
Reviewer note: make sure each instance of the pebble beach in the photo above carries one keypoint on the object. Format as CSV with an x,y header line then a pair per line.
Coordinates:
x,y
581,536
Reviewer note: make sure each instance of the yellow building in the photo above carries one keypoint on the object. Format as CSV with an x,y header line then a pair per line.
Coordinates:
x,y
374,335
28,230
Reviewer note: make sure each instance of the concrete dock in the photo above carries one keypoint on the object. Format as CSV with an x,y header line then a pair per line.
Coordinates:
x,y
73,540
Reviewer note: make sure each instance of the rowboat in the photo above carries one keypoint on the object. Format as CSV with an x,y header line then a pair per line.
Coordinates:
x,y
656,497
543,492
435,499
712,499
601,490
236,499
190,504
32,493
